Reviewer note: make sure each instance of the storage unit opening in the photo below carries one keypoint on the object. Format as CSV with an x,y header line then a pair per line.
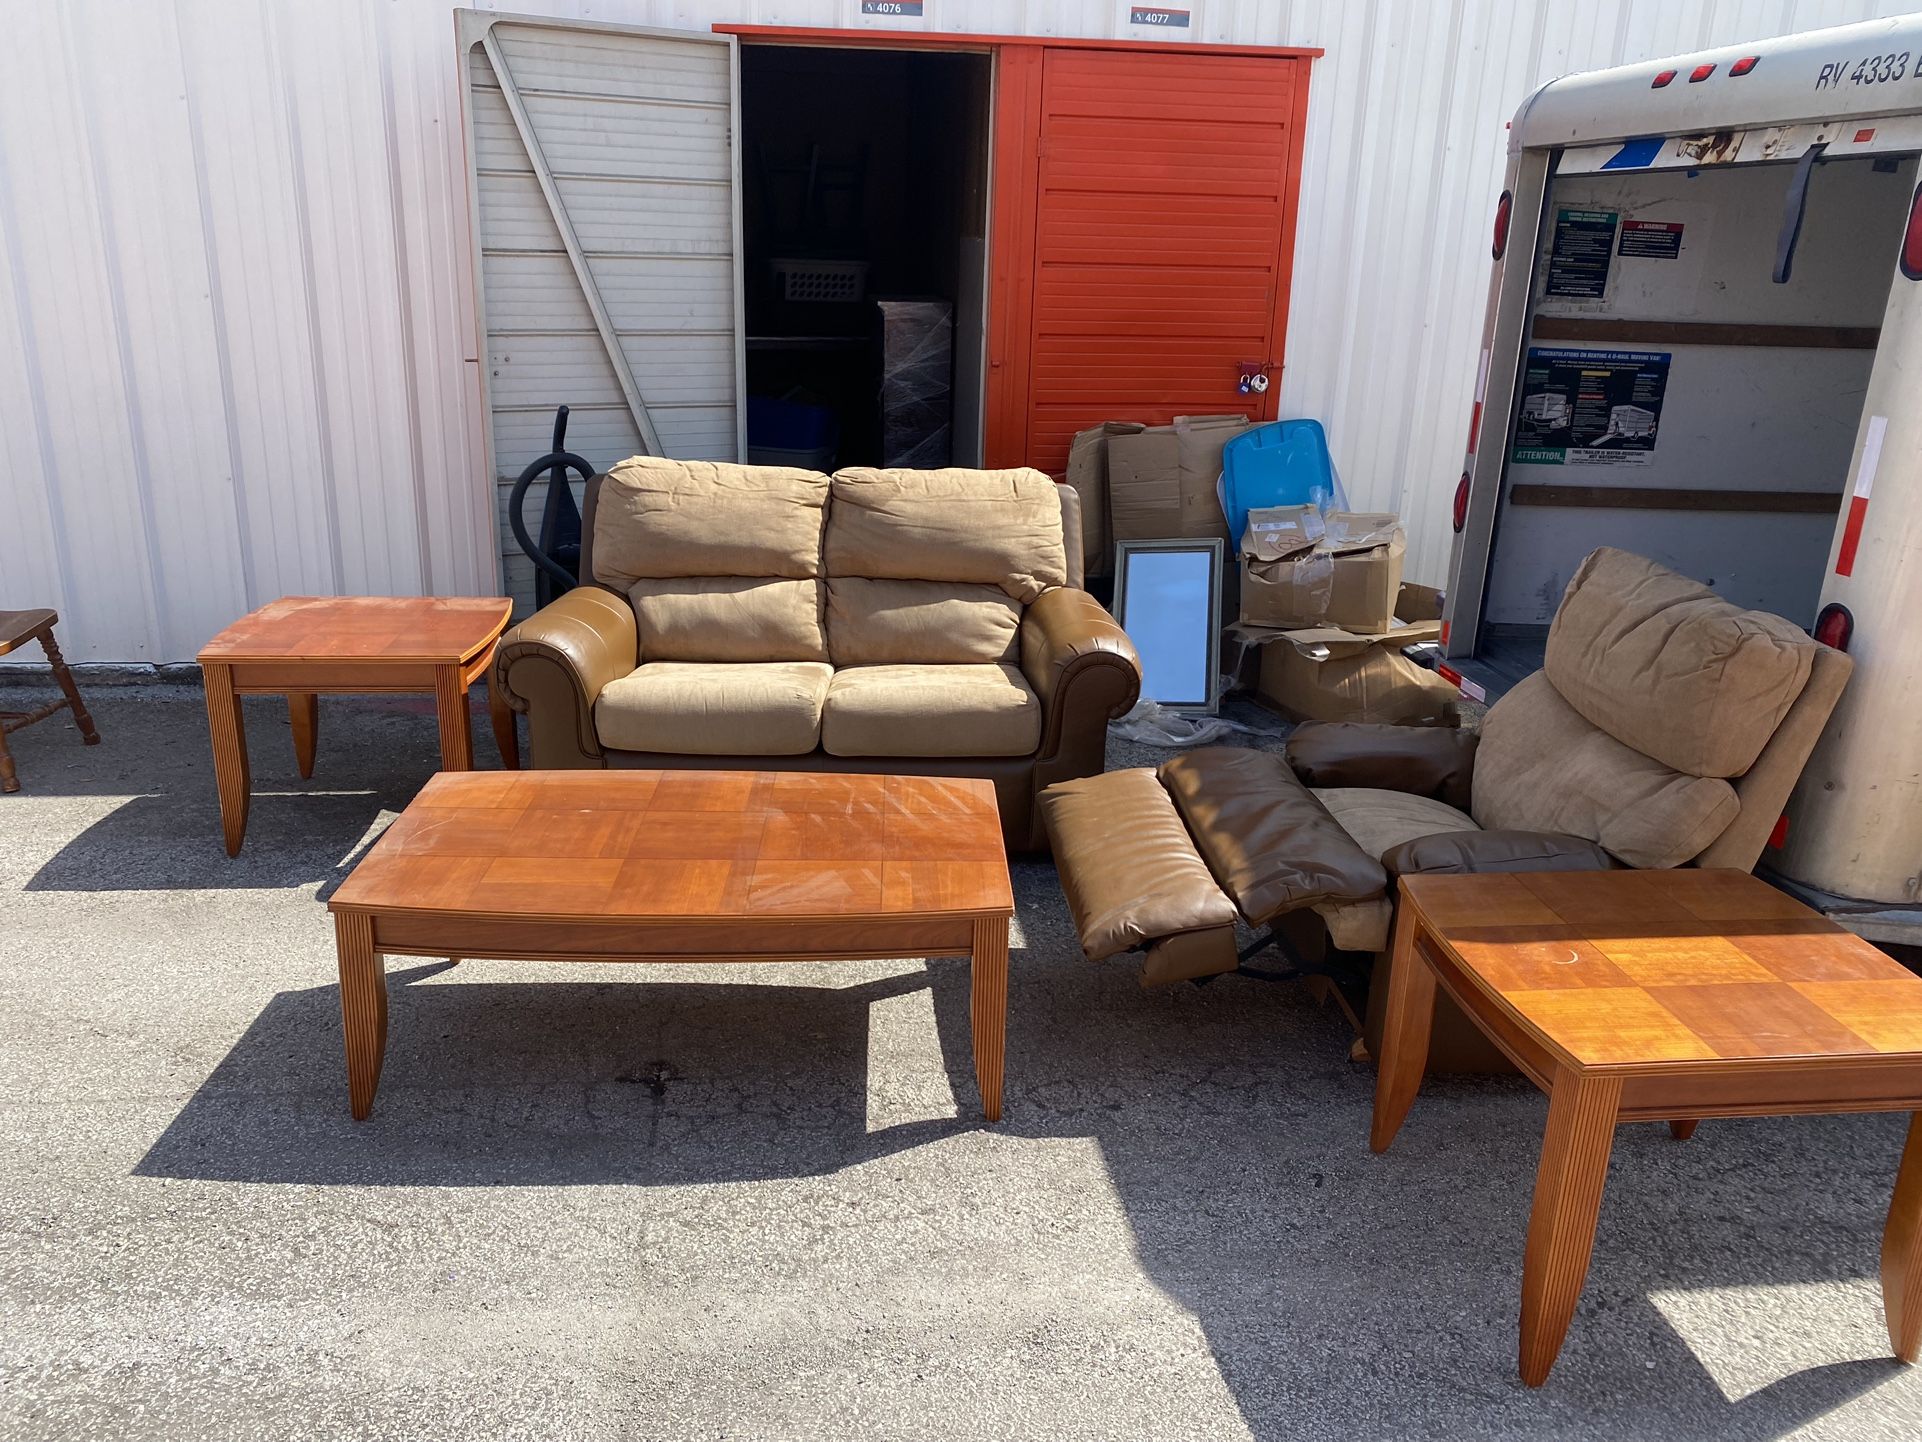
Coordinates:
x,y
865,182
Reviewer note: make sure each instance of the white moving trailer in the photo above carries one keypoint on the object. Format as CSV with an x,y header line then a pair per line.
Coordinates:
x,y
1719,258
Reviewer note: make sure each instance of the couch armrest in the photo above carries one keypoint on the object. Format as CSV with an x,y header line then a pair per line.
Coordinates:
x,y
554,665
1477,851
1081,664
1437,761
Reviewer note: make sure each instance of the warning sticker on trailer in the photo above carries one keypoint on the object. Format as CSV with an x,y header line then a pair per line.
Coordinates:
x,y
1578,264
1651,239
1590,407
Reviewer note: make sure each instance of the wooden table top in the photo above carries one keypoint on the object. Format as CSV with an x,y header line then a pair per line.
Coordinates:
x,y
19,626
373,629
688,846
1631,968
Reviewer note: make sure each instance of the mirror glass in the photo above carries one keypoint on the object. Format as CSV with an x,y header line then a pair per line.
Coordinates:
x,y
1165,601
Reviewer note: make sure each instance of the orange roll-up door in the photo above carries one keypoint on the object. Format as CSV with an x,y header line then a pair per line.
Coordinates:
x,y
1144,225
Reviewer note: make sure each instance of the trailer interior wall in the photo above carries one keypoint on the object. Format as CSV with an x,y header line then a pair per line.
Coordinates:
x,y
1756,417
237,351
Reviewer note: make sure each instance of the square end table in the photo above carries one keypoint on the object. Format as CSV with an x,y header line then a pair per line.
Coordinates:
x,y
1655,996
303,647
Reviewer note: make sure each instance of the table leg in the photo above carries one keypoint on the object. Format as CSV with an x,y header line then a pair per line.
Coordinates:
x,y
9,778
363,1007
1407,1021
502,715
303,710
229,731
1582,1111
1902,1250
988,1011
1682,1131
81,716
456,730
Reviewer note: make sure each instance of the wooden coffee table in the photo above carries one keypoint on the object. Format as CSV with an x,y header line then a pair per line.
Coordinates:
x,y
308,646
1656,996
679,866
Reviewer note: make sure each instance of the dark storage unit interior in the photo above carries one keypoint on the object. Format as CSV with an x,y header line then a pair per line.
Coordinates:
x,y
864,214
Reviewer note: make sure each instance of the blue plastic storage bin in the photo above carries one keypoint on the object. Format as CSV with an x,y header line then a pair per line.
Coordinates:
x,y
1284,463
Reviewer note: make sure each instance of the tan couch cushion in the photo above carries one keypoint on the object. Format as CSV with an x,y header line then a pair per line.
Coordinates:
x,y
1668,667
1379,820
729,618
656,517
876,622
1542,767
1000,528
765,709
930,711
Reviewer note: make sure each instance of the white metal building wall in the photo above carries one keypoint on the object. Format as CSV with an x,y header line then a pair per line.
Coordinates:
x,y
237,345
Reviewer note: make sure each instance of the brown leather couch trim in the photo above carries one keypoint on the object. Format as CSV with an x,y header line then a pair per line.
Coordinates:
x,y
1458,852
554,665
1080,663
1434,761
1269,842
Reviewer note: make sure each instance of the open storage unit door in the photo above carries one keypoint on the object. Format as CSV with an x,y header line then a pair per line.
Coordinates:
x,y
1143,233
604,182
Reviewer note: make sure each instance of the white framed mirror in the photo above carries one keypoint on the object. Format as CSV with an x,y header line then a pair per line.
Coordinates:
x,y
1167,597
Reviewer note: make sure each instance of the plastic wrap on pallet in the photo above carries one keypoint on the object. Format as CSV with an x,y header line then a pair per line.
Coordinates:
x,y
917,383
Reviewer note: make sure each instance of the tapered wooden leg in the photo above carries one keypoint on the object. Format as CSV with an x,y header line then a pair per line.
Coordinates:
x,y
502,715
988,1011
1409,1018
363,1007
9,778
1568,1197
456,731
1902,1251
303,710
1682,1131
229,732
81,716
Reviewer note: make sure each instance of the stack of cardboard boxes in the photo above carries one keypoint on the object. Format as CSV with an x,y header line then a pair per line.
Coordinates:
x,y
1323,598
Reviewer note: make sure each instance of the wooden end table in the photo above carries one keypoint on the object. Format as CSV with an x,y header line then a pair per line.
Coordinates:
x,y
303,647
1655,996
676,866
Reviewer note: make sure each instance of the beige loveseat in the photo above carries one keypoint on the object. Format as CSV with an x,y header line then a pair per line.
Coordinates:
x,y
926,622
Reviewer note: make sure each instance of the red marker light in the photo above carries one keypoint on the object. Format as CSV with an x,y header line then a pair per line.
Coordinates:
x,y
1502,208
1779,837
1912,238
1744,65
1835,627
1662,77
1700,73
1461,502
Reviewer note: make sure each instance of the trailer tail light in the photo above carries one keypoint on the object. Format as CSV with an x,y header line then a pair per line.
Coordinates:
x,y
1912,238
1461,503
1744,65
1701,73
1662,77
1502,208
1835,626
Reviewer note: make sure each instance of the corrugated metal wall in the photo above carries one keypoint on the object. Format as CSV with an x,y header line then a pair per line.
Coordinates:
x,y
237,349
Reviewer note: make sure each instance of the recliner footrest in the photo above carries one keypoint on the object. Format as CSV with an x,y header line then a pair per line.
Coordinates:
x,y
1132,876
1264,835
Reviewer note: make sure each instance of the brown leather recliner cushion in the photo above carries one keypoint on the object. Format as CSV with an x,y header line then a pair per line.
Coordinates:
x,y
1269,842
1128,869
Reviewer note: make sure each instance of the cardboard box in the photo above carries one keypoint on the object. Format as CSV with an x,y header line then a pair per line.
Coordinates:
x,y
1088,474
1162,479
1328,674
1301,569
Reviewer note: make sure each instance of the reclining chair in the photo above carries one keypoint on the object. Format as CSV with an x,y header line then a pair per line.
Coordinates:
x,y
1666,728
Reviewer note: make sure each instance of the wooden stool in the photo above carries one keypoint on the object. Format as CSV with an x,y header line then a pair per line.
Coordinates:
x,y
16,629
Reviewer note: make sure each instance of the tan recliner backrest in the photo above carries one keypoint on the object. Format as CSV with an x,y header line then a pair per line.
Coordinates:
x,y
1666,724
